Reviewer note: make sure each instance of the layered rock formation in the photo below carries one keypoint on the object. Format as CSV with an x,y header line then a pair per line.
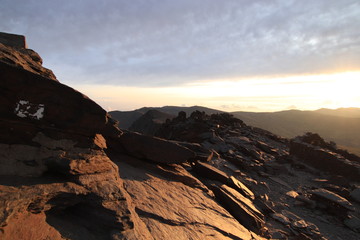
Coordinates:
x,y
301,188
67,172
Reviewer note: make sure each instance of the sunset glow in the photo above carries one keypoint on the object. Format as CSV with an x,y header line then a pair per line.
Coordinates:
x,y
272,94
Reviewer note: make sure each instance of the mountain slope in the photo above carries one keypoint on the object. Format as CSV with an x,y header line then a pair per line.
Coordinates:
x,y
341,112
344,131
126,118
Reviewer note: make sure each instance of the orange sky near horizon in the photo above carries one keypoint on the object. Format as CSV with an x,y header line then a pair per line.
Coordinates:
x,y
307,92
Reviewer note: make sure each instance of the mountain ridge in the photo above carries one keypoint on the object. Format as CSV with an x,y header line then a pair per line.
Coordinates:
x,y
339,125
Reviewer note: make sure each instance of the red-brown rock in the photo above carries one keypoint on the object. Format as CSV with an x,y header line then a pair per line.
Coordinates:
x,y
154,149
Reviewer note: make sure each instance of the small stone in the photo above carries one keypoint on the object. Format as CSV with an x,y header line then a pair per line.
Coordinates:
x,y
355,194
278,235
299,224
292,194
353,223
281,218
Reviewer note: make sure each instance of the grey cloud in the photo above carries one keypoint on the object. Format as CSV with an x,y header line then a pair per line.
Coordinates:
x,y
163,42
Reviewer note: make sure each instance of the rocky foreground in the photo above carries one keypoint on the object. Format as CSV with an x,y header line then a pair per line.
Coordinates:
x,y
67,171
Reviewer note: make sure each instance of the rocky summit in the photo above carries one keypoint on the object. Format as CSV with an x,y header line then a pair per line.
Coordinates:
x,y
68,172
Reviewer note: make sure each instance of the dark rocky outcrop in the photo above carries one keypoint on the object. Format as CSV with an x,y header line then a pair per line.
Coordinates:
x,y
24,58
240,207
33,99
324,159
154,149
13,40
150,122
207,171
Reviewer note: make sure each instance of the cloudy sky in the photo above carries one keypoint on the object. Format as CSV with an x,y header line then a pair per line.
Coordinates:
x,y
251,55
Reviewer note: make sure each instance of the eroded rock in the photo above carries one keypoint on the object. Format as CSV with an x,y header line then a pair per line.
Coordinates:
x,y
325,160
240,207
154,149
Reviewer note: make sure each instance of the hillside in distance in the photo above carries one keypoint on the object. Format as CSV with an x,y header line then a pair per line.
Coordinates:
x,y
340,125
341,112
126,118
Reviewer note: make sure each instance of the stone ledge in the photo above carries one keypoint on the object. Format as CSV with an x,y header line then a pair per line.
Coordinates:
x,y
13,40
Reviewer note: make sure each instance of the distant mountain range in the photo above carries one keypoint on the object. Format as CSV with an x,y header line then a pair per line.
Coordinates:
x,y
341,126
126,118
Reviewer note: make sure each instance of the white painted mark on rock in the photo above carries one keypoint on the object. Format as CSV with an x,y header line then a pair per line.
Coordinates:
x,y
25,109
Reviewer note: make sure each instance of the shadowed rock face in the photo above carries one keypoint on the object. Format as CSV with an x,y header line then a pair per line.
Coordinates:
x,y
56,180
324,159
150,122
13,40
67,172
34,100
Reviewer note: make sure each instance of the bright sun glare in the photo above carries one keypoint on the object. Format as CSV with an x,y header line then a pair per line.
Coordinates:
x,y
332,90
269,94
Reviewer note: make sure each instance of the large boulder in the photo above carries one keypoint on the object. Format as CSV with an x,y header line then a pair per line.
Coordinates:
x,y
154,149
240,207
210,172
29,99
332,199
324,159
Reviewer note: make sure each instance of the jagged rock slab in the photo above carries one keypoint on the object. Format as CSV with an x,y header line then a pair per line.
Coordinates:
x,y
30,99
240,187
332,198
210,172
154,149
240,207
325,160
306,229
175,210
